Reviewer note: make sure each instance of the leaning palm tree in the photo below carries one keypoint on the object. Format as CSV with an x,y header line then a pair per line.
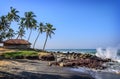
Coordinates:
x,y
10,33
49,30
41,30
30,22
21,29
20,33
4,24
13,15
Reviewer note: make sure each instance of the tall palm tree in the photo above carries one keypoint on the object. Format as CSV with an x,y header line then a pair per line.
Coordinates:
x,y
49,31
21,33
2,36
10,33
4,24
13,15
30,22
21,28
41,30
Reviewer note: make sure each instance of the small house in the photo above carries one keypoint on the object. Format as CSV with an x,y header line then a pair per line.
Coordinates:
x,y
16,44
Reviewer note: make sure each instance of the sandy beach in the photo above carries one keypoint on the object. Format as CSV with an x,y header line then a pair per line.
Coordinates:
x,y
35,69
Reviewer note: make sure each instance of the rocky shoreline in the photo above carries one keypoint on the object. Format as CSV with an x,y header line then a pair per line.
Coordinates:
x,y
79,60
50,64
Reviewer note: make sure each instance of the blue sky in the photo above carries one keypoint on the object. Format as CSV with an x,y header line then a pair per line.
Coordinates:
x,y
79,23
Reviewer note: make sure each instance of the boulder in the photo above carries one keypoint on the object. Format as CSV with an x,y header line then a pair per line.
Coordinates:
x,y
46,56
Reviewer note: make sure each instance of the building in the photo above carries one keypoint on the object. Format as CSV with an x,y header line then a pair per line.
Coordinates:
x,y
16,44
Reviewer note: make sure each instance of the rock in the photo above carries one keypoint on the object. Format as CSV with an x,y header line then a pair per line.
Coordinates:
x,y
61,64
53,63
46,57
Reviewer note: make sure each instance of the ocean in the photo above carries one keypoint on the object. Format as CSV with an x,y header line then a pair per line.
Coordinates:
x,y
113,68
90,51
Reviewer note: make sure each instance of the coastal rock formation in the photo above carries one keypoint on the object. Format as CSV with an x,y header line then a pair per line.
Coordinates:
x,y
81,60
46,56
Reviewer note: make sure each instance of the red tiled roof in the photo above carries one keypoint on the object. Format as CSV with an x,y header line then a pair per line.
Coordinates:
x,y
17,41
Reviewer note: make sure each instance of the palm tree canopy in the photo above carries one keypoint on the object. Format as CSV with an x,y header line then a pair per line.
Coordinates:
x,y
12,15
29,20
10,33
49,29
4,24
41,28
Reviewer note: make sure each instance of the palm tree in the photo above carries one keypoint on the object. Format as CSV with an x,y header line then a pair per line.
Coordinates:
x,y
21,33
4,24
12,15
10,33
30,22
2,36
41,30
49,30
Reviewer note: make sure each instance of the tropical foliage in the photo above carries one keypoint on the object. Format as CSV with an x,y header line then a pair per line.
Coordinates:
x,y
49,30
27,22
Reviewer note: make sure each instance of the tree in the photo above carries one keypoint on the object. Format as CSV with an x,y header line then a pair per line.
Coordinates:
x,y
30,22
12,15
21,28
10,33
20,33
49,31
4,26
41,28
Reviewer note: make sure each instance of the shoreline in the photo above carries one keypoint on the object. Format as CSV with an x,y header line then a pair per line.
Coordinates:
x,y
98,74
84,63
30,69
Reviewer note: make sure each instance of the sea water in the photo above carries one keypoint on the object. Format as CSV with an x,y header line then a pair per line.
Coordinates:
x,y
113,68
90,51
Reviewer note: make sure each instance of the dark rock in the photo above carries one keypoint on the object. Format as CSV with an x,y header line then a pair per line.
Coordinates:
x,y
47,57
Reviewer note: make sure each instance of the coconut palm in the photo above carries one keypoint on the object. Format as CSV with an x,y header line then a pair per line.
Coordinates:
x,y
13,15
30,22
10,33
40,30
49,31
4,24
20,33
2,36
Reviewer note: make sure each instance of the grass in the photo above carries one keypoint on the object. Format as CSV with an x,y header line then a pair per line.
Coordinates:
x,y
19,54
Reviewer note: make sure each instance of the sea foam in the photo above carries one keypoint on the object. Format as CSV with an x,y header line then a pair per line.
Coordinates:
x,y
111,53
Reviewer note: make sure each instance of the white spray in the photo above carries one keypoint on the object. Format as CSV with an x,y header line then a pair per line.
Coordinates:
x,y
111,53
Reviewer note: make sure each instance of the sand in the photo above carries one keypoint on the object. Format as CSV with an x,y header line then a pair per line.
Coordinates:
x,y
36,69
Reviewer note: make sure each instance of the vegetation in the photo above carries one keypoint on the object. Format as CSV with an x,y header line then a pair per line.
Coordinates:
x,y
19,54
27,22
49,31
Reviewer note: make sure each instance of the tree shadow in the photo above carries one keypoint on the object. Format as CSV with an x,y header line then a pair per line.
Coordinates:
x,y
30,75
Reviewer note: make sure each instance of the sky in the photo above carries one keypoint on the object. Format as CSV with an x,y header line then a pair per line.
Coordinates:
x,y
83,24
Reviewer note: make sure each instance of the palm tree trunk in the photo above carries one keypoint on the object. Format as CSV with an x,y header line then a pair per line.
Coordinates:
x,y
17,36
45,41
36,40
29,34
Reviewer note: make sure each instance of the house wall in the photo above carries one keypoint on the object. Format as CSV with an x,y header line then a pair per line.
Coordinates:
x,y
17,46
1,44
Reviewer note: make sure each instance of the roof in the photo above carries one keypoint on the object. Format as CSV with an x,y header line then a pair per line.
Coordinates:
x,y
17,41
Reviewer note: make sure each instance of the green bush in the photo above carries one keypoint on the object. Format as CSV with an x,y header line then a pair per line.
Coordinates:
x,y
19,54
